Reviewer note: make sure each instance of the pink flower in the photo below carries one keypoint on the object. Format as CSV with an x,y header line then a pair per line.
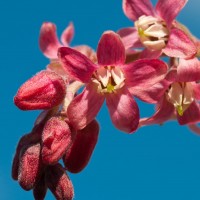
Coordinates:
x,y
110,79
79,154
154,28
178,95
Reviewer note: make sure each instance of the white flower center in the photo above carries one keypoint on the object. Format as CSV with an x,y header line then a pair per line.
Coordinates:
x,y
108,79
152,32
180,94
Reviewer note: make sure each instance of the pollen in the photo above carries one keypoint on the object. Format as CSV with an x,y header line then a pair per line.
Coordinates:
x,y
141,32
110,88
108,79
179,109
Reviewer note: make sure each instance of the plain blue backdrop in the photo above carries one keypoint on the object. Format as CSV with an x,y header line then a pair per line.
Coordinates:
x,y
157,162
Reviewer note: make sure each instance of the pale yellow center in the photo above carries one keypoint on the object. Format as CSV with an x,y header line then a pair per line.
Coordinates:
x,y
180,94
108,79
152,31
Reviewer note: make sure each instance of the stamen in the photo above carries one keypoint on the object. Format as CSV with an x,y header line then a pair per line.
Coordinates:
x,y
152,31
180,94
108,79
179,109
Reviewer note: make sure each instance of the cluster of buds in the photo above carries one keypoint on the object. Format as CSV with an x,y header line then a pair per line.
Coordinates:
x,y
126,64
36,164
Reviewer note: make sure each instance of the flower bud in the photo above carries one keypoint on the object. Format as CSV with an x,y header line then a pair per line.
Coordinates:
x,y
56,139
59,183
78,156
43,91
40,189
30,166
25,140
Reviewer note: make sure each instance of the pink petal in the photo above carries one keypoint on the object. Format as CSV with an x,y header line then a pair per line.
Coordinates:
x,y
48,40
45,90
88,52
188,70
191,115
146,53
123,110
67,34
78,156
164,112
196,90
84,107
132,55
133,9
110,50
171,75
152,94
169,9
130,37
144,73
195,128
57,67
77,64
179,45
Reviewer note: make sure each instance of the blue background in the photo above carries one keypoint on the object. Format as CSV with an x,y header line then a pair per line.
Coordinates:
x,y
157,162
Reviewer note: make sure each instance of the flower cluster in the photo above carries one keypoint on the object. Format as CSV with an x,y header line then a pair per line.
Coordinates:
x,y
127,64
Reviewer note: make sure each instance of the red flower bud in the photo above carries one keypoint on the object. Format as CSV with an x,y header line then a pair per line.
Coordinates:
x,y
56,139
30,166
25,140
78,156
59,183
40,189
43,91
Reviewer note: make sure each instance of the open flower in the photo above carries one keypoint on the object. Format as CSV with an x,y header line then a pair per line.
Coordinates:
x,y
180,95
154,28
110,79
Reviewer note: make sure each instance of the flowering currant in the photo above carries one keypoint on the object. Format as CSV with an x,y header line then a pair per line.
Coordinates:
x,y
49,44
154,29
178,95
110,79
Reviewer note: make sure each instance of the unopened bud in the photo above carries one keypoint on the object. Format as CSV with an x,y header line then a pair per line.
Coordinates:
x,y
56,139
78,156
40,189
59,183
45,90
30,166
25,140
